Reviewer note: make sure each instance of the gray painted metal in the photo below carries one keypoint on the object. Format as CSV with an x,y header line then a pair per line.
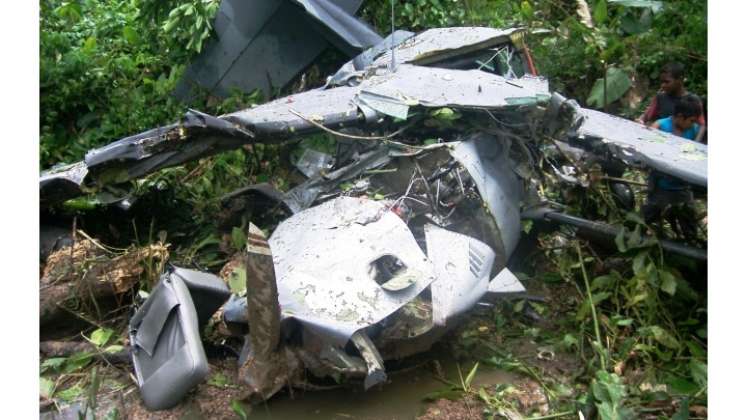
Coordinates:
x,y
506,282
636,143
462,265
435,87
486,159
323,259
443,43
263,44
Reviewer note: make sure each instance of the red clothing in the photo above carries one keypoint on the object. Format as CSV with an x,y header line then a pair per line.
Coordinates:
x,y
656,111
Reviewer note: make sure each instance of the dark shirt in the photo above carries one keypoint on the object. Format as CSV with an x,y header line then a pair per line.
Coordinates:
x,y
663,106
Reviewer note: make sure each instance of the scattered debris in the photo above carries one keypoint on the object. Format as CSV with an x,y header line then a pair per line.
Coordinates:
x,y
385,244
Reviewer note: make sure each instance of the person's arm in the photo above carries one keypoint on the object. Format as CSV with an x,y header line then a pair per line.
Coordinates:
x,y
650,113
655,125
701,133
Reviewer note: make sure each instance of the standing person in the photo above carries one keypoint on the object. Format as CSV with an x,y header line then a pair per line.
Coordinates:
x,y
668,197
672,91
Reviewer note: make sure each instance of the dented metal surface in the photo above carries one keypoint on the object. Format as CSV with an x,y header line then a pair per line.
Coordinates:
x,y
635,143
325,263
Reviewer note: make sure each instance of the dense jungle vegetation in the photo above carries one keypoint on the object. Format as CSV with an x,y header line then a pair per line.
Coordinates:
x,y
636,319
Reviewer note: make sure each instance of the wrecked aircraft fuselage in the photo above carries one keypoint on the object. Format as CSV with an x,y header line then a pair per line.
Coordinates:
x,y
381,269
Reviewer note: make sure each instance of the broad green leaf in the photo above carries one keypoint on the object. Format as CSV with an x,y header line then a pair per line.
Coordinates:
x,y
603,282
54,363
445,114
620,241
116,348
71,393
238,238
618,83
699,371
46,387
639,262
77,361
668,282
238,408
101,336
89,45
237,280
600,12
633,24
662,336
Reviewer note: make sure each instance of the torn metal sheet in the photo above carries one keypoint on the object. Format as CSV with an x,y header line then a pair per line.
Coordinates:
x,y
344,30
486,159
440,44
506,282
197,135
435,87
324,262
289,116
303,195
264,44
312,162
462,265
635,143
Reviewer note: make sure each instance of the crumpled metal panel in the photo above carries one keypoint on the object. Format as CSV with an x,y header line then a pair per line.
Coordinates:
x,y
442,43
670,154
506,282
322,259
277,119
264,44
60,183
486,159
462,265
435,87
353,34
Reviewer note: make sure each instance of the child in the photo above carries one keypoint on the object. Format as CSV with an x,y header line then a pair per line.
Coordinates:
x,y
672,92
667,196
683,122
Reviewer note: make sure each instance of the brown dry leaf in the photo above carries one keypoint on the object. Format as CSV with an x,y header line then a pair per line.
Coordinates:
x,y
64,264
124,271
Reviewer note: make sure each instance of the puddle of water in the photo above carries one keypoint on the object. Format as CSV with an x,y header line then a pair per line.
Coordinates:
x,y
400,398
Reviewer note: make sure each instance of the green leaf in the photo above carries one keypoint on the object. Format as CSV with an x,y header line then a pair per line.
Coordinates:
x,y
101,337
699,371
130,35
526,10
618,83
668,282
54,363
600,12
89,45
237,280
445,114
238,238
471,375
639,262
620,241
239,409
46,387
71,393
662,336
78,361
633,24
116,348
